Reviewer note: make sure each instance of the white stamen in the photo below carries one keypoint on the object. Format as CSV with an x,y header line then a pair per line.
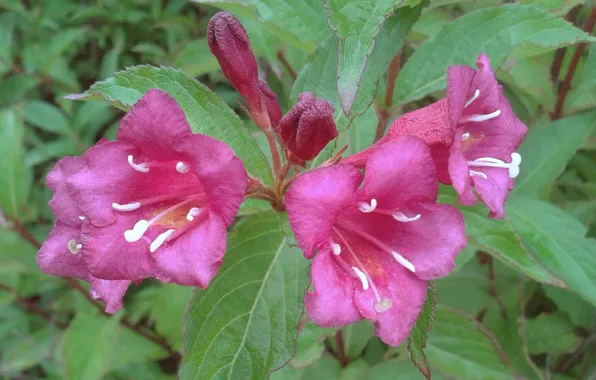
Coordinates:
x,y
160,240
383,305
181,167
474,97
137,232
73,247
82,218
401,217
143,168
479,118
465,136
474,173
513,166
366,208
403,261
195,211
362,277
336,248
126,207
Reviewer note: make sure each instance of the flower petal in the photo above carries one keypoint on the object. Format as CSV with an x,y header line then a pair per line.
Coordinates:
x,y
62,203
315,199
407,294
110,292
156,125
494,190
109,256
331,303
459,89
193,258
221,173
55,258
459,172
400,172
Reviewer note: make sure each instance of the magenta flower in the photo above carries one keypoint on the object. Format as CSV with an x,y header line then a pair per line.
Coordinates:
x,y
473,135
307,128
154,203
378,243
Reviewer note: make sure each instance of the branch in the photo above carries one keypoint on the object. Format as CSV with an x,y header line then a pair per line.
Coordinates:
x,y
579,51
341,350
282,58
32,307
383,113
555,68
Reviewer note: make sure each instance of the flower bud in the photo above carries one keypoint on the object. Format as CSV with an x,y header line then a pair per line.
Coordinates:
x,y
229,43
273,108
308,127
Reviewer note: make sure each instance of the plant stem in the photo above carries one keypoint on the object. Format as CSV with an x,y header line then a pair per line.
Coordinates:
x,y
383,113
274,152
284,61
555,68
341,350
579,51
32,307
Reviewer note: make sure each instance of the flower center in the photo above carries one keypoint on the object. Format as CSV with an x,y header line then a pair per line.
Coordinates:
x,y
491,162
477,118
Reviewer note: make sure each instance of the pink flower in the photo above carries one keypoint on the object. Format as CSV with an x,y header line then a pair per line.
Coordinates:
x,y
307,128
473,135
154,203
378,243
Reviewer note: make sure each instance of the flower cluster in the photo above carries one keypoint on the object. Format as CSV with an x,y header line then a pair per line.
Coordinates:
x,y
157,201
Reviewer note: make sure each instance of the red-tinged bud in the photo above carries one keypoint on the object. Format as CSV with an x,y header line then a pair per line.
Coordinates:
x,y
273,108
229,43
307,128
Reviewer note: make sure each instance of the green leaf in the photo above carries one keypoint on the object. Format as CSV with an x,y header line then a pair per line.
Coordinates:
x,y
387,44
205,112
459,346
327,368
46,116
557,241
7,24
550,333
299,22
309,345
60,42
423,326
245,324
500,239
169,309
580,312
356,337
21,354
356,370
15,181
93,345
546,150
16,87
356,23
394,369
196,59
18,256
496,31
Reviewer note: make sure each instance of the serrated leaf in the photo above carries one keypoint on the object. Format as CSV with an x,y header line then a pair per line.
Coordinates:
x,y
15,181
299,22
495,31
419,335
245,324
558,242
356,23
205,112
458,346
546,150
500,239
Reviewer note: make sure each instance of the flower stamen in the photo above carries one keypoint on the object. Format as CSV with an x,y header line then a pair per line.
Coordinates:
x,y
368,208
362,277
192,213
73,247
182,167
474,97
465,136
474,173
403,261
159,240
335,248
513,166
477,118
401,217
143,168
126,207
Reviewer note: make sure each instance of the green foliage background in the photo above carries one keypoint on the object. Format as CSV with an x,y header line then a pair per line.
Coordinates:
x,y
522,301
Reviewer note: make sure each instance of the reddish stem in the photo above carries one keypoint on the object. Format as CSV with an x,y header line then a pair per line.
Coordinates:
x,y
579,51
555,68
274,152
341,350
32,307
282,58
383,113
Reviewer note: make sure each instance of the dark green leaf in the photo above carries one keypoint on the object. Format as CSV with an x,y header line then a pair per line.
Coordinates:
x,y
245,324
550,333
419,335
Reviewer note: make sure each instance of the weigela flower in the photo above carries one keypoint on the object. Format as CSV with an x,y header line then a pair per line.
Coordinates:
x,y
230,44
154,203
378,240
473,135
307,128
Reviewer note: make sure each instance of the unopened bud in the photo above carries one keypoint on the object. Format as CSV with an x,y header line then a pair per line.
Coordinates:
x,y
273,108
308,127
229,43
